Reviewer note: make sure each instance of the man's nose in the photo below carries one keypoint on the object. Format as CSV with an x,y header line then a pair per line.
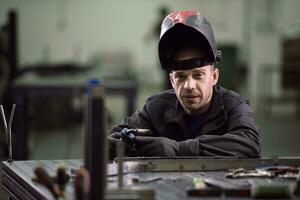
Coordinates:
x,y
190,83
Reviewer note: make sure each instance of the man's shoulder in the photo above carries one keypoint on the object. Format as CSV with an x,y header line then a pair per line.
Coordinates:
x,y
230,98
226,93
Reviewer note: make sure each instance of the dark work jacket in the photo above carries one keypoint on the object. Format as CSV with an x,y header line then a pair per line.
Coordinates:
x,y
228,130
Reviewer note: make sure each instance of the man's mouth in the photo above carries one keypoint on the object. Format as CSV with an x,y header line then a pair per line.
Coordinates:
x,y
191,97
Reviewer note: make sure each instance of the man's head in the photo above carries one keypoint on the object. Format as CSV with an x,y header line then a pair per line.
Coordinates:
x,y
187,50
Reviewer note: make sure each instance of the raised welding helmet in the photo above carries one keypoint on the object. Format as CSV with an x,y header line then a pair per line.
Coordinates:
x,y
186,28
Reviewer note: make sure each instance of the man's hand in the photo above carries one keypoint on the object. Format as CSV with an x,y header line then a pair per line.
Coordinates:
x,y
112,140
157,146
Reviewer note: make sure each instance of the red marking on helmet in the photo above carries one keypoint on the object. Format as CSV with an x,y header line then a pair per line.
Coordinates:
x,y
181,16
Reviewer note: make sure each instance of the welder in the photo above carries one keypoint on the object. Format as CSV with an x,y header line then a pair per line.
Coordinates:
x,y
197,117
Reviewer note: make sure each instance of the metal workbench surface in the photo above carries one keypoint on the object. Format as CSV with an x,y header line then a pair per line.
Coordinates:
x,y
168,178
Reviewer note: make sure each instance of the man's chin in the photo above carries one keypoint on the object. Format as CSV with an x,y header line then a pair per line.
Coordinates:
x,y
190,109
192,104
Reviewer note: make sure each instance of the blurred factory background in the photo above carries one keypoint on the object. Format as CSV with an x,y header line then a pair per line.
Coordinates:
x,y
65,43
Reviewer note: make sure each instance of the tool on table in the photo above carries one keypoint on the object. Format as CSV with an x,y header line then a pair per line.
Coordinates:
x,y
268,172
82,184
45,179
199,183
55,184
62,178
8,133
209,185
264,189
146,180
268,188
201,189
228,187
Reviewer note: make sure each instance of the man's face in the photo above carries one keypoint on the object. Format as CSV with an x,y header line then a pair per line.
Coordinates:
x,y
194,87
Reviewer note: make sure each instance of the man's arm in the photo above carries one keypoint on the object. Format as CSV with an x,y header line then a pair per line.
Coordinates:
x,y
242,140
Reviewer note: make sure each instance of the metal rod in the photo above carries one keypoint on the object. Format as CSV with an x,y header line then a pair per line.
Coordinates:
x,y
4,122
10,134
120,155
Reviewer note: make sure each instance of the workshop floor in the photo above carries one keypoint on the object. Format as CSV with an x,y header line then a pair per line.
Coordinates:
x,y
280,137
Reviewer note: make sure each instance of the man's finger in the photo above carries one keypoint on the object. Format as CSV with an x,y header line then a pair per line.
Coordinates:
x,y
113,140
115,135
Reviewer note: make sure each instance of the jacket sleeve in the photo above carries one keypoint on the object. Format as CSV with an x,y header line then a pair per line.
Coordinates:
x,y
242,137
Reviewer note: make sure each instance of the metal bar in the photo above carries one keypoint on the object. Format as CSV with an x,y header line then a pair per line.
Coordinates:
x,y
120,154
4,122
198,164
10,134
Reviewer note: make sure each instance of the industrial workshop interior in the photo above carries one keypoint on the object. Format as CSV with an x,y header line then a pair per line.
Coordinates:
x,y
69,68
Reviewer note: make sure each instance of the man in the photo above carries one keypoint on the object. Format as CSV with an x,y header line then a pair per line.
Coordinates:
x,y
197,117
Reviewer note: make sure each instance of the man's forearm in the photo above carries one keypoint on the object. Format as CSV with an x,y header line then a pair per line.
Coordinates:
x,y
231,144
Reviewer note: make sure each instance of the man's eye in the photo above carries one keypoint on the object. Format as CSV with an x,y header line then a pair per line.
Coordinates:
x,y
180,76
198,75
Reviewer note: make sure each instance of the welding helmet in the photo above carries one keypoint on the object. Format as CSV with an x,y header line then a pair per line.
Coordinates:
x,y
186,28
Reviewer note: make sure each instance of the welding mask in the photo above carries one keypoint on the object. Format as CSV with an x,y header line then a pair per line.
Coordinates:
x,y
186,28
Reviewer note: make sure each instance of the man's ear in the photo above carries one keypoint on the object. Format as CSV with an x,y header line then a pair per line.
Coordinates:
x,y
171,79
215,75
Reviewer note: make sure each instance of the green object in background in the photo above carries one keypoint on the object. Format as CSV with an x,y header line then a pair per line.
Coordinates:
x,y
228,67
271,190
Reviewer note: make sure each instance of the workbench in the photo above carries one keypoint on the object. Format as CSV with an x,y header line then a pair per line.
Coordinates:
x,y
32,85
169,178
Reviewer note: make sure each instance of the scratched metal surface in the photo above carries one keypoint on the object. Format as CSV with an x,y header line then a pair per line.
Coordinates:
x,y
17,181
